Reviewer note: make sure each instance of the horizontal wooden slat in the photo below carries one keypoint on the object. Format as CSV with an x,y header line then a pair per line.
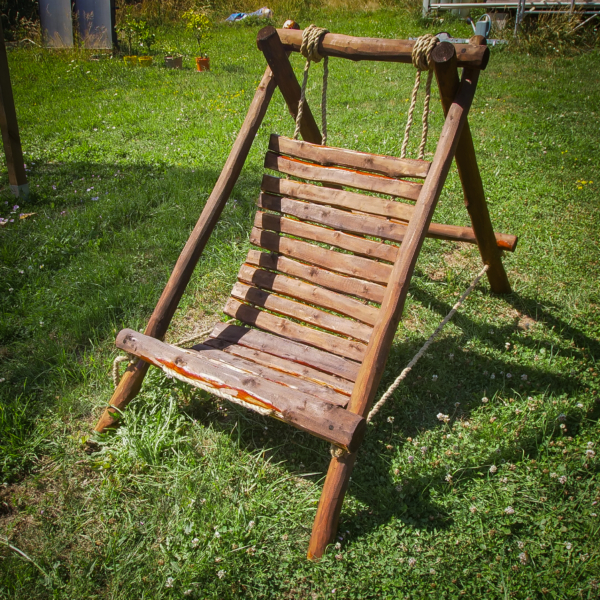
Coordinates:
x,y
319,417
301,312
333,217
276,363
346,177
307,292
294,331
339,283
375,206
356,266
287,349
331,237
363,161
237,362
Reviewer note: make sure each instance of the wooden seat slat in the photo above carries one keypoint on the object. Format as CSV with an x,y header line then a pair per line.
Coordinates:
x,y
346,264
362,181
307,292
229,380
278,364
332,237
287,349
363,161
301,312
333,217
294,331
328,279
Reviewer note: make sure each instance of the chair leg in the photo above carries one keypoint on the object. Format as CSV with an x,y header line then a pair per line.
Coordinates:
x,y
330,504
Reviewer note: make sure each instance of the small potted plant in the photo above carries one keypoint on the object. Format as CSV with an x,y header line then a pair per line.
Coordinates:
x,y
146,38
128,30
173,58
199,25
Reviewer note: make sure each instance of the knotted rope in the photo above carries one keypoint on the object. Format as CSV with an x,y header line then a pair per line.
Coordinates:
x,y
421,60
311,37
130,358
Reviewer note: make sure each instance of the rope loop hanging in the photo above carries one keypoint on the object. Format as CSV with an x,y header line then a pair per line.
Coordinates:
x,y
421,60
311,37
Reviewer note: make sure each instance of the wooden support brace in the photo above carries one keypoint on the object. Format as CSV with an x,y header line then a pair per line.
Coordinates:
x,y
470,177
378,348
167,305
10,129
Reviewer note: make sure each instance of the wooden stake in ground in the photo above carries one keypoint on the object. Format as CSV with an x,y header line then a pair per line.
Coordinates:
x,y
10,129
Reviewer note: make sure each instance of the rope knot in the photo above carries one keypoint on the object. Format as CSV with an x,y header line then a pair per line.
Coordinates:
x,y
311,37
421,53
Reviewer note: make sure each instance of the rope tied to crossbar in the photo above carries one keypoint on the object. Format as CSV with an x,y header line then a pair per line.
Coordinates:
x,y
311,37
421,60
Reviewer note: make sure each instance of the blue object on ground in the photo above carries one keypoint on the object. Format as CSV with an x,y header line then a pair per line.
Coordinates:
x,y
261,13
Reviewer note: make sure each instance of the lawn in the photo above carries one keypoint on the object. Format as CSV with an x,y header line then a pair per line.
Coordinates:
x,y
198,498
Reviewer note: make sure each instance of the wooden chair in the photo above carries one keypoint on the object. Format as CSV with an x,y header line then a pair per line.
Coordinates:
x,y
320,295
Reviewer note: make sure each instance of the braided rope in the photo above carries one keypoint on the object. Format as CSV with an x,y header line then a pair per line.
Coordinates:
x,y
309,48
131,358
421,60
426,345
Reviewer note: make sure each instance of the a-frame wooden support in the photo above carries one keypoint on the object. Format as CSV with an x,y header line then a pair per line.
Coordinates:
x,y
455,142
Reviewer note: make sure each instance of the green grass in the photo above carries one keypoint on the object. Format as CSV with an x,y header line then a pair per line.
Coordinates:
x,y
427,512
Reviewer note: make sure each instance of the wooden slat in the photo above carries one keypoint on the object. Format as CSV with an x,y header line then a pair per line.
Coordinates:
x,y
287,349
301,312
209,352
293,331
363,161
329,279
333,217
277,363
356,266
331,237
375,206
321,418
346,177
307,292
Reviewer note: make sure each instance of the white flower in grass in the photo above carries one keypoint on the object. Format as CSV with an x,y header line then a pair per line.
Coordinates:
x,y
411,459
434,377
524,377
579,405
507,345
485,400
412,562
251,525
562,479
473,509
568,545
423,450
187,592
169,582
590,444
442,417
217,534
523,558
221,574
338,546
553,475
493,469
508,375
448,478
195,542
390,419
493,376
521,545
590,453
509,510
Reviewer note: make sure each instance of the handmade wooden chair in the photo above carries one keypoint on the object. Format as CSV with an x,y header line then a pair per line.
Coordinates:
x,y
320,296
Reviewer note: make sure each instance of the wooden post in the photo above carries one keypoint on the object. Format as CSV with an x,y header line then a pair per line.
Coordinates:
x,y
10,129
167,305
470,177
390,312
269,43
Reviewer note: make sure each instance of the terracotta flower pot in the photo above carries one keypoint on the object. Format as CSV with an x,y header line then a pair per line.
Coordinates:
x,y
173,62
145,61
202,64
130,61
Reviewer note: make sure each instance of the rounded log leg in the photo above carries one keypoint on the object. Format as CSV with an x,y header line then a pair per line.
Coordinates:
x,y
126,391
330,504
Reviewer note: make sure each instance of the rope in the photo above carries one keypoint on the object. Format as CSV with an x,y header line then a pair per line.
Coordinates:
x,y
309,48
421,60
130,358
426,345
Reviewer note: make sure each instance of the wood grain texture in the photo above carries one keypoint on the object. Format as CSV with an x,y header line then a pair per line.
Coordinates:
x,y
294,331
161,317
346,264
287,349
301,312
334,175
328,279
362,161
472,185
277,363
306,292
377,49
332,237
323,419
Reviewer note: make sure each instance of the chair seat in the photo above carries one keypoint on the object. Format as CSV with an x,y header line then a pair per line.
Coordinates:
x,y
283,386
